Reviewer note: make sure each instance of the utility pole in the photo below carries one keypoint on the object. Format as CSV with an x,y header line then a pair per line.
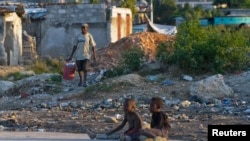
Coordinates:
x,y
151,11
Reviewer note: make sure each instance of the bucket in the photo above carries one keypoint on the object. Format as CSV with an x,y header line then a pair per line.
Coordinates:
x,y
69,70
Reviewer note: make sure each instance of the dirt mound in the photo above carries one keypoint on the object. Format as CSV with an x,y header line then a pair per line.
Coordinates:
x,y
108,57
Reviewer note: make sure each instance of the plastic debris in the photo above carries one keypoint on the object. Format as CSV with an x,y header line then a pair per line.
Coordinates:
x,y
167,83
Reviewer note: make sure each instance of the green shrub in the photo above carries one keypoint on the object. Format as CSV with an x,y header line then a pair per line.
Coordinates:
x,y
114,72
164,51
203,49
131,60
55,78
17,75
39,66
47,65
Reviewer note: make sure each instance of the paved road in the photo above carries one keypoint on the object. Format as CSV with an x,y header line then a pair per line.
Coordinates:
x,y
46,136
42,136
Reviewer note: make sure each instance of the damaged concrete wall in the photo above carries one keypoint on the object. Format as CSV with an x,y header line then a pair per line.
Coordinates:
x,y
55,34
3,54
13,39
10,39
121,23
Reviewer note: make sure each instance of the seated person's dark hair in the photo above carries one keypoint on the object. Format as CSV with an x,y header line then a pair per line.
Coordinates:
x,y
158,101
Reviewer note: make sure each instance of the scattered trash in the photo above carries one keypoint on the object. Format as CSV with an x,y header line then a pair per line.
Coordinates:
x,y
226,101
248,118
217,102
185,103
2,127
172,102
167,83
187,77
152,77
100,76
24,95
196,98
244,102
40,130
247,111
75,113
110,119
118,116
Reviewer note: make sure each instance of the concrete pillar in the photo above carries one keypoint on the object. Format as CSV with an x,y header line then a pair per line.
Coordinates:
x,y
13,38
3,54
152,11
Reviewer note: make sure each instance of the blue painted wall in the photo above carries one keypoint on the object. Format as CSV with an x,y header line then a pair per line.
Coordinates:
x,y
231,20
226,20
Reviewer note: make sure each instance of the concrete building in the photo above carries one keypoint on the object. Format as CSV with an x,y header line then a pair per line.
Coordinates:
x,y
10,37
55,32
206,4
236,12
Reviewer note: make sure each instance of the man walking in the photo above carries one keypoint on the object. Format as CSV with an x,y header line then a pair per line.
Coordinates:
x,y
84,44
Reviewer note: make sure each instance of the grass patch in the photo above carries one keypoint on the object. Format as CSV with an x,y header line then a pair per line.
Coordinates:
x,y
47,65
17,76
55,78
94,90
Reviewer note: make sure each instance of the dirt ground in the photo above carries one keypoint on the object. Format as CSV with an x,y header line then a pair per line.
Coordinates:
x,y
188,123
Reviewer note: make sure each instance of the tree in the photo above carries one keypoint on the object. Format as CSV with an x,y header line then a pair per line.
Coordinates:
x,y
131,4
164,10
195,13
94,1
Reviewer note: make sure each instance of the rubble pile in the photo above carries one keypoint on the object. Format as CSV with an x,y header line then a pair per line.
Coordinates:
x,y
108,57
